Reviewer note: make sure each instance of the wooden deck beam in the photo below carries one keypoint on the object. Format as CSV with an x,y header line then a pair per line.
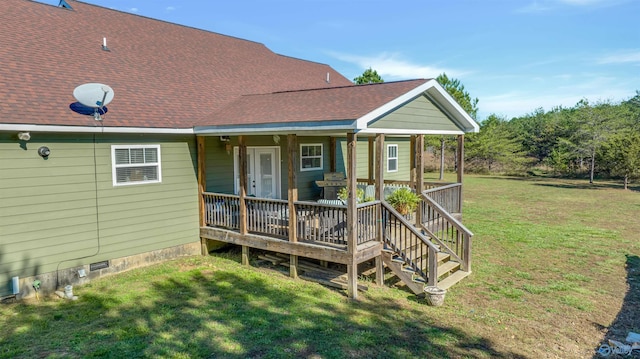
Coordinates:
x,y
365,251
379,177
243,194
419,151
460,165
352,219
292,195
202,187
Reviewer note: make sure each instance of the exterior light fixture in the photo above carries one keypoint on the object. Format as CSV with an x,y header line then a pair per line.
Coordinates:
x,y
24,136
44,151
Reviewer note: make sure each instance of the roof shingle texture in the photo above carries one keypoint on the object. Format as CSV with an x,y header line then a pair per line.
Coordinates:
x,y
163,75
335,104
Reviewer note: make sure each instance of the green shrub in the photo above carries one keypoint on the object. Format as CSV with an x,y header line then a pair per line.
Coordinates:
x,y
404,200
343,193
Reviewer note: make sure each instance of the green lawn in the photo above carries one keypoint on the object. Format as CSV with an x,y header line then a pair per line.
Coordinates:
x,y
552,263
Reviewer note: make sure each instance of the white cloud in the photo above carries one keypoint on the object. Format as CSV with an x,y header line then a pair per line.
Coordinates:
x,y
134,9
622,57
583,2
526,100
391,66
170,8
534,7
547,5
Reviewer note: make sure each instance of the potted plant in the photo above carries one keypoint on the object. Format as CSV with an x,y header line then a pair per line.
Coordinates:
x,y
404,200
343,193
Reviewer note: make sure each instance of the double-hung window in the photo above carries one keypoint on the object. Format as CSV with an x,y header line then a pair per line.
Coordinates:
x,y
392,158
135,164
310,157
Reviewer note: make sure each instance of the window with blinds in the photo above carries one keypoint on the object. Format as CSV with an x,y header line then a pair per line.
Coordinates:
x,y
392,158
310,157
136,164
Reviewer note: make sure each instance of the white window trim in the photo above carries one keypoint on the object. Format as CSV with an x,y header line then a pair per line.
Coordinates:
x,y
321,157
114,166
390,158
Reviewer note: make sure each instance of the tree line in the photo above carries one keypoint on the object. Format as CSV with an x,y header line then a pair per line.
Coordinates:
x,y
600,139
591,139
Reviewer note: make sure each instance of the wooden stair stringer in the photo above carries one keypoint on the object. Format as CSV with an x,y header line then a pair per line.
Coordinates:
x,y
407,278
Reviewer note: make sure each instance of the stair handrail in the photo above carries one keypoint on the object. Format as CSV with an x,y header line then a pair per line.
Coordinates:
x,y
433,250
467,234
411,227
443,212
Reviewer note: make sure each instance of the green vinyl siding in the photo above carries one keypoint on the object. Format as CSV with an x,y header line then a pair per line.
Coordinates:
x,y
64,211
307,188
362,157
419,114
219,164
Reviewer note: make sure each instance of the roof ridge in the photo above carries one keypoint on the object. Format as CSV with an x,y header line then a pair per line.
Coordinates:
x,y
337,87
168,22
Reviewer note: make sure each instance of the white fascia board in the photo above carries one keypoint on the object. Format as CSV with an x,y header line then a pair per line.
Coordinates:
x,y
97,129
460,115
266,129
394,131
363,121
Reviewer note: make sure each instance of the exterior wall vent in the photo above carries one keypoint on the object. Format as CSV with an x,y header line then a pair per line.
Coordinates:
x,y
98,265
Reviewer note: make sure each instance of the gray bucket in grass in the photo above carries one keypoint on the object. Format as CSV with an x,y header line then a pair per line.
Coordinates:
x,y
68,291
434,296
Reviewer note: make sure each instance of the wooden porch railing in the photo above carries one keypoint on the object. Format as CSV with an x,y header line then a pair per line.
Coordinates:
x,y
268,216
323,223
443,228
413,247
447,196
363,182
317,222
221,210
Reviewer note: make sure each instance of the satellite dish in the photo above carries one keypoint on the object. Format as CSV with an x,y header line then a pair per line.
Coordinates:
x,y
94,95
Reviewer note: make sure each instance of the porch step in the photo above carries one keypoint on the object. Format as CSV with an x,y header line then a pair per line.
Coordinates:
x,y
452,279
441,258
387,249
408,269
447,267
419,279
397,259
406,278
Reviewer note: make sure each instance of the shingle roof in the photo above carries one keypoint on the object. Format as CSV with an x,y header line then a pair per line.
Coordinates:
x,y
163,74
342,103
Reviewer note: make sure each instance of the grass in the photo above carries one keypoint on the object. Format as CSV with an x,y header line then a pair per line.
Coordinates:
x,y
556,270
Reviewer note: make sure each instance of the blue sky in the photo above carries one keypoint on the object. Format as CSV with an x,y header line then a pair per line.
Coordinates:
x,y
513,55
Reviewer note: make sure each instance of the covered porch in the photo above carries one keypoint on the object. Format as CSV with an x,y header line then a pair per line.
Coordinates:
x,y
429,248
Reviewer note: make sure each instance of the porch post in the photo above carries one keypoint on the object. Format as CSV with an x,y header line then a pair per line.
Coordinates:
x,y
413,175
419,150
352,219
332,154
460,167
379,176
202,187
370,171
243,194
292,196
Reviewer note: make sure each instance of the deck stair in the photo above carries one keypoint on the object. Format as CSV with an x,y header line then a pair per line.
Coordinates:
x,y
407,248
449,272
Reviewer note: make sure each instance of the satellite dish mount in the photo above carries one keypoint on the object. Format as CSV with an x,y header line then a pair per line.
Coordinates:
x,y
94,95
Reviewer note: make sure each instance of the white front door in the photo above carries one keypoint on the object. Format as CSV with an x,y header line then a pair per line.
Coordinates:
x,y
263,172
